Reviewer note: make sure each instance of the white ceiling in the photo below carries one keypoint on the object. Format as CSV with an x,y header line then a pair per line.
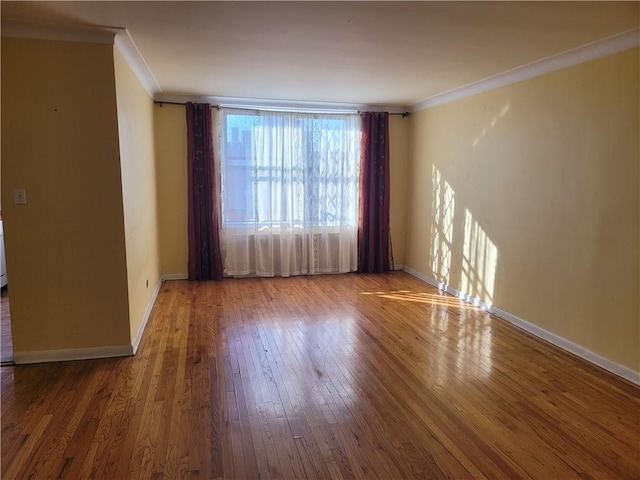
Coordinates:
x,y
376,53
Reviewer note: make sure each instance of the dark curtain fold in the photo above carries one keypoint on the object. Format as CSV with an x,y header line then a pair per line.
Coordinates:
x,y
374,242
205,258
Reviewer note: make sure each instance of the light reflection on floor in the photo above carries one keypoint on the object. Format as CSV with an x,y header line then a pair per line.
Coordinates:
x,y
327,348
473,333
429,298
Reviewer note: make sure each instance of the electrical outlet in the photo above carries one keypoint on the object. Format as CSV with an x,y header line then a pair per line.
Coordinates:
x,y
19,196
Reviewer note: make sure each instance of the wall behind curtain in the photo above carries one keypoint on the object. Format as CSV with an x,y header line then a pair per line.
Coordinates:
x,y
171,169
137,164
527,196
399,169
171,160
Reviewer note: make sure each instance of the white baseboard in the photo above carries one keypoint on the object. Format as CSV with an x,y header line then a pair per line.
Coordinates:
x,y
20,358
152,301
92,352
448,289
174,276
145,318
431,281
591,357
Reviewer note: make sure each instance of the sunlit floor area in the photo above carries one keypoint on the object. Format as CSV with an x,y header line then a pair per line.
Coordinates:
x,y
327,377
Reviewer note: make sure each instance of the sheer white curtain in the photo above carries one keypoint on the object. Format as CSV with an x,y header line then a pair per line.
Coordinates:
x,y
289,186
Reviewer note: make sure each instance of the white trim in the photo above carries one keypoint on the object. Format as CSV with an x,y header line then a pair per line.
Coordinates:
x,y
279,105
145,318
432,281
591,357
128,49
591,51
94,352
72,354
602,362
117,36
12,27
398,267
122,40
174,276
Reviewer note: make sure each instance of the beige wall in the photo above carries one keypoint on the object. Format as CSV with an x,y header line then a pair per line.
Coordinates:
x,y
137,163
171,159
527,196
399,169
171,166
65,248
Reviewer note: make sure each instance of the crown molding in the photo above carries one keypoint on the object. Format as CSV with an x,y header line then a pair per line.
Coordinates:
x,y
128,49
274,104
122,40
117,36
590,51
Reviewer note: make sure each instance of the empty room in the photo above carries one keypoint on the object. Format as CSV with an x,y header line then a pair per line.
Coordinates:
x,y
320,240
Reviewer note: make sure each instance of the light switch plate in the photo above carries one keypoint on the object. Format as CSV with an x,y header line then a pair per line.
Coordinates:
x,y
19,196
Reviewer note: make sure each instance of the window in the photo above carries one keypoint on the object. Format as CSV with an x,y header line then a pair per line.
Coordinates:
x,y
289,170
289,192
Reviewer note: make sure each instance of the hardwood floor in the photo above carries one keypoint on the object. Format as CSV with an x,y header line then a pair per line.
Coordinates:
x,y
330,377
6,345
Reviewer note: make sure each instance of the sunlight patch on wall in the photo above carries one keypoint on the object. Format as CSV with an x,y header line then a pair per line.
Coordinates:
x,y
480,257
503,111
442,208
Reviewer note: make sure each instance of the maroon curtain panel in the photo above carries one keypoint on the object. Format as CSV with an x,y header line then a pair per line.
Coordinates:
x,y
205,258
374,243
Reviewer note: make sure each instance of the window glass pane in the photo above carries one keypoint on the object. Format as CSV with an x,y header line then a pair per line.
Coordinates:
x,y
289,168
237,184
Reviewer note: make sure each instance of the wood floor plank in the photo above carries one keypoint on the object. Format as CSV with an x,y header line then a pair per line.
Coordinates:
x,y
6,342
328,377
26,452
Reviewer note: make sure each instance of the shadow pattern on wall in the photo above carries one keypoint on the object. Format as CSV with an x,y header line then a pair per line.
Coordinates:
x,y
474,267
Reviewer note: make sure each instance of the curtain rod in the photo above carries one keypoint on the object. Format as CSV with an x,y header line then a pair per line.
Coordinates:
x,y
161,102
